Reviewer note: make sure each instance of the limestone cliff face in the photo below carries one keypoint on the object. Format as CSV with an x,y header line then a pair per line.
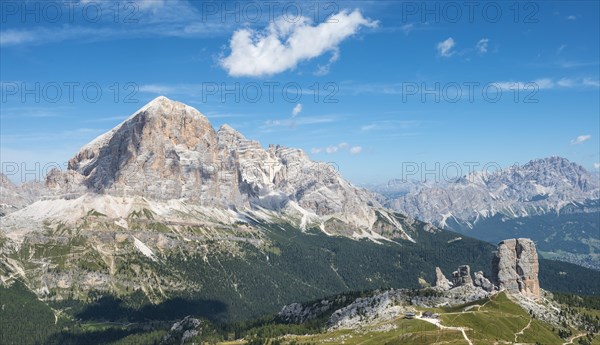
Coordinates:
x,y
169,151
515,267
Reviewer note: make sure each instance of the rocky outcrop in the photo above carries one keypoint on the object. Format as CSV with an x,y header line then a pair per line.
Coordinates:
x,y
382,306
482,282
441,281
184,332
515,267
298,313
462,277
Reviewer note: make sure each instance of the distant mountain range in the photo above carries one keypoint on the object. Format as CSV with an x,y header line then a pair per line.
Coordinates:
x,y
538,187
552,200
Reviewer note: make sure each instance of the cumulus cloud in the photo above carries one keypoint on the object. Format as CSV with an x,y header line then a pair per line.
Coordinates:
x,y
445,47
283,44
356,150
581,139
597,165
482,45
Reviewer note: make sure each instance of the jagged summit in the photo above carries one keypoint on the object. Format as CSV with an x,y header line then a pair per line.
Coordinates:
x,y
159,106
537,187
227,128
169,151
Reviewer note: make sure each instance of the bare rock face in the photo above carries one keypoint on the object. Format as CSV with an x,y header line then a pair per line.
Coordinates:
x,y
482,282
441,281
515,267
462,277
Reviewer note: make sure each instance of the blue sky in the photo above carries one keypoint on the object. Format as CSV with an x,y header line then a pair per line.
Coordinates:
x,y
372,63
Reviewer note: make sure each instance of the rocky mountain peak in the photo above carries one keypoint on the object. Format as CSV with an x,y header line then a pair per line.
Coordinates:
x,y
170,151
228,129
145,147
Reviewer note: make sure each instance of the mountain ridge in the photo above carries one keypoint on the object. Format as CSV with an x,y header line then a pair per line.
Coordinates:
x,y
540,186
167,150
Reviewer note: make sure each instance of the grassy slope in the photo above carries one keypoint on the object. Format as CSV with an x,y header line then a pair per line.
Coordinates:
x,y
496,321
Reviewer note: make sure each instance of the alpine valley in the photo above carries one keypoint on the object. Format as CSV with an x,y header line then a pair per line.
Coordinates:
x,y
167,231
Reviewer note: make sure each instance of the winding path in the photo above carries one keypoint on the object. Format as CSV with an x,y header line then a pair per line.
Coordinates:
x,y
572,339
523,330
440,326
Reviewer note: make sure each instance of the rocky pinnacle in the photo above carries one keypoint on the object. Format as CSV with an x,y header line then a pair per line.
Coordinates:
x,y
515,267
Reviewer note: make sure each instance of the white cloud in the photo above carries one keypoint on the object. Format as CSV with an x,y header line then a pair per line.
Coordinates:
x,y
391,125
581,139
356,150
591,82
482,45
297,109
445,47
407,28
331,149
150,4
282,45
597,165
155,18
159,89
548,83
544,83
324,69
292,122
566,82
368,127
571,17
14,37
337,148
